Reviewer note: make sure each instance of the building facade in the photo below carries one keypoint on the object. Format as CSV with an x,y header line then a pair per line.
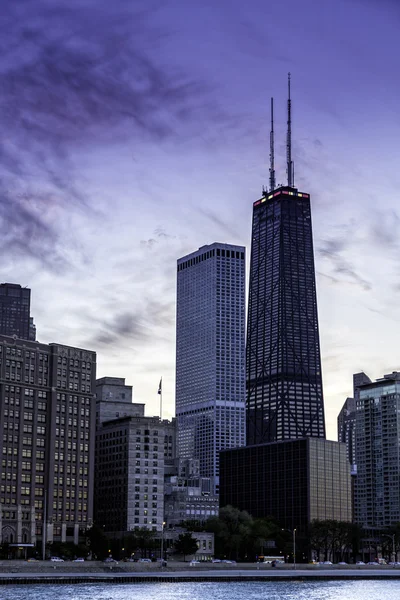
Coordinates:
x,y
15,307
210,354
346,427
294,481
187,496
377,489
114,400
47,419
131,452
283,362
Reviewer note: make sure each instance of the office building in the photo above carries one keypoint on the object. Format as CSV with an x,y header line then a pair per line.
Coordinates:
x,y
15,306
210,354
288,470
187,496
47,420
377,491
284,381
295,481
131,450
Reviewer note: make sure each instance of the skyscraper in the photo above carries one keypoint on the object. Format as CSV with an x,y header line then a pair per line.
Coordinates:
x,y
15,306
288,469
283,362
377,491
210,354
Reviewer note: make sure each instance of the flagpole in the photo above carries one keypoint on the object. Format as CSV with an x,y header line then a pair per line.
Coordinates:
x,y
160,391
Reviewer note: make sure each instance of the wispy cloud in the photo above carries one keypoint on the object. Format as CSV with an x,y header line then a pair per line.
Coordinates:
x,y
74,75
333,250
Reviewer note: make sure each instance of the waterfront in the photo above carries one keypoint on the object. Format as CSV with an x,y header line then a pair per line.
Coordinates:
x,y
269,590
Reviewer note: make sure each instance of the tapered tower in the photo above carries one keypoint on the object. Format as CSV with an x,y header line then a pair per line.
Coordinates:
x,y
283,363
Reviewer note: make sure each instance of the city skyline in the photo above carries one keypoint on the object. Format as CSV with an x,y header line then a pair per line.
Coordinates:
x,y
152,138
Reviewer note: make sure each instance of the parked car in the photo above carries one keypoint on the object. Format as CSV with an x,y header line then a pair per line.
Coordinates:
x,y
56,559
360,562
78,560
194,562
374,563
109,559
342,563
327,562
145,560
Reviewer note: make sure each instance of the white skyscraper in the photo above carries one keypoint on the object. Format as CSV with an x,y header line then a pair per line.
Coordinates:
x,y
210,354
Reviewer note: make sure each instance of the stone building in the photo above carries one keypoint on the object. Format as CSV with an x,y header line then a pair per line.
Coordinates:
x,y
47,419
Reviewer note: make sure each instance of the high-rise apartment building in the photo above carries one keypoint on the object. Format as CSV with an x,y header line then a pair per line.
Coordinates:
x,y
47,422
346,427
346,421
377,490
284,380
131,451
210,354
15,306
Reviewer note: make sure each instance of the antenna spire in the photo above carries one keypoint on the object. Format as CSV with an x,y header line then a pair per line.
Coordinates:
x,y
272,184
290,166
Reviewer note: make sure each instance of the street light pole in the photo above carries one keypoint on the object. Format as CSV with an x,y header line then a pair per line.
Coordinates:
x,y
162,544
294,549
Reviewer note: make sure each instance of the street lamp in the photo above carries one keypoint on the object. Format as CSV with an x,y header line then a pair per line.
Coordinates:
x,y
294,549
293,531
392,536
162,543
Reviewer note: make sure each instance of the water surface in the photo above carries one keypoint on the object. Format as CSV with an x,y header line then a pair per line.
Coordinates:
x,y
268,590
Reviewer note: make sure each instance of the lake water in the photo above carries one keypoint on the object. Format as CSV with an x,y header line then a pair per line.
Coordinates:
x,y
283,590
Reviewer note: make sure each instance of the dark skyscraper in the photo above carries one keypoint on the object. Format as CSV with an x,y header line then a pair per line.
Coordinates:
x,y
283,363
15,305
288,469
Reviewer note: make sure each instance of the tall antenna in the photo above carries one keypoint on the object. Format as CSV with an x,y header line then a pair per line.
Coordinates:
x,y
271,151
290,166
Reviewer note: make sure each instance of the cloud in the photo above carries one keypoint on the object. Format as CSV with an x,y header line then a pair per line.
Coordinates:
x,y
220,225
126,327
332,249
76,76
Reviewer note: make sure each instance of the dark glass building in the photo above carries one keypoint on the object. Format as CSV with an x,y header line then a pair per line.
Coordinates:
x,y
283,362
15,306
294,481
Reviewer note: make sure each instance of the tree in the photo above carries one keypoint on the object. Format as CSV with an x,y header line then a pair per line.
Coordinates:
x,y
237,534
97,541
186,544
334,540
145,540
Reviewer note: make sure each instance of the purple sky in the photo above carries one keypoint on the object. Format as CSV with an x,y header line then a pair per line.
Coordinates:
x,y
134,132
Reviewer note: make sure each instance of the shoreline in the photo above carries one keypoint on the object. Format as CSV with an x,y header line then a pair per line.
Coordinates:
x,y
178,574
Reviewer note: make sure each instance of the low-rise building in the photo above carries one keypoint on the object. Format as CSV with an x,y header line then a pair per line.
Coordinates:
x,y
131,450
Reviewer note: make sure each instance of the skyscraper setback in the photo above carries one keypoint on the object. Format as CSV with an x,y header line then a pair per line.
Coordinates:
x,y
210,354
